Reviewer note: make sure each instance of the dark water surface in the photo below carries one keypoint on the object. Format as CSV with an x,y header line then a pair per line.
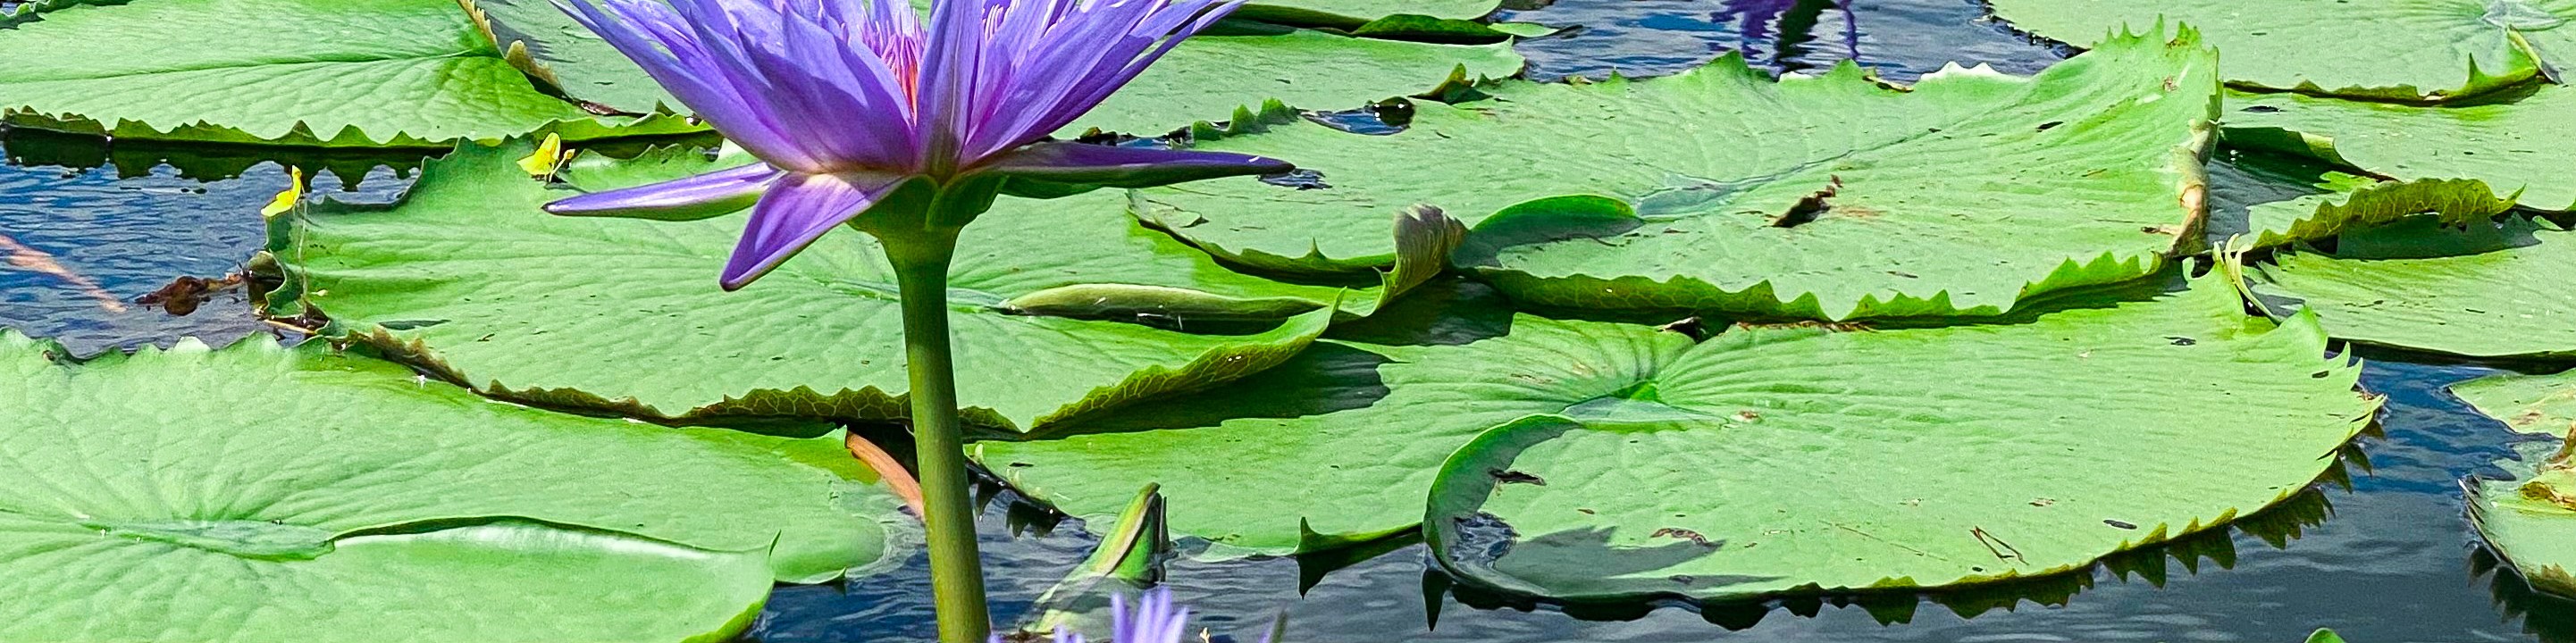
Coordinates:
x,y
2390,559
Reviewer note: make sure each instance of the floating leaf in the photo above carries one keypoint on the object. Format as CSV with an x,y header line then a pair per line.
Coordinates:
x,y
2513,140
1780,460
468,278
2278,200
2389,49
311,495
2544,404
1342,444
1211,77
2487,290
2531,523
1720,189
389,73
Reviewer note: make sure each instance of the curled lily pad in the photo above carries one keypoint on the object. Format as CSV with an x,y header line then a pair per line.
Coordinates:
x,y
2384,49
2487,289
381,73
467,277
313,495
1823,197
1783,460
2516,140
539,38
2276,200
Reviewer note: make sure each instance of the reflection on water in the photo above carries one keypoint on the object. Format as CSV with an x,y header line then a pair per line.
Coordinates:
x,y
1900,39
2391,561
86,231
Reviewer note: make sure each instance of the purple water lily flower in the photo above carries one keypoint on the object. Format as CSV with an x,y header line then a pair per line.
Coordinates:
x,y
1156,619
849,102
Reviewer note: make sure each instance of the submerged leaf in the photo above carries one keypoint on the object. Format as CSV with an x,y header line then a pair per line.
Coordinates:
x,y
384,73
1824,197
310,495
624,315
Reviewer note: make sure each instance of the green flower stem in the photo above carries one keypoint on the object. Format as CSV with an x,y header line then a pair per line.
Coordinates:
x,y
956,569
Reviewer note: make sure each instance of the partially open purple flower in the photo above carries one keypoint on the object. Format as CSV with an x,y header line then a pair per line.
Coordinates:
x,y
847,101
1156,619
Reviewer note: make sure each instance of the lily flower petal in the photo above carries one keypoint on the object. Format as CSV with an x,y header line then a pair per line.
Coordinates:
x,y
1125,167
797,210
708,195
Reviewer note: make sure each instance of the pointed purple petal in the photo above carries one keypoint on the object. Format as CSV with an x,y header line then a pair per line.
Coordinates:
x,y
698,197
1125,167
797,210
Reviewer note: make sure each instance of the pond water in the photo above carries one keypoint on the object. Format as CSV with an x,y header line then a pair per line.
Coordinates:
x,y
2387,558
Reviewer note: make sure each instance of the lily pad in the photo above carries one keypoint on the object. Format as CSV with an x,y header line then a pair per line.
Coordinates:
x,y
2514,140
1776,460
2544,404
2531,523
381,73
1337,446
2387,49
1211,77
1051,303
313,495
2486,290
1858,200
2277,200
1342,445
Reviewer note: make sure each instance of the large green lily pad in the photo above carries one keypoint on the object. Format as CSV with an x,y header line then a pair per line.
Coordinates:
x,y
2513,140
468,278
1342,444
2487,290
1339,445
2543,404
2275,200
1781,460
393,73
1720,189
2390,49
260,493
1213,77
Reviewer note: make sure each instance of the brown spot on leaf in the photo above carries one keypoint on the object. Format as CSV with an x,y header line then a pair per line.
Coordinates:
x,y
1684,534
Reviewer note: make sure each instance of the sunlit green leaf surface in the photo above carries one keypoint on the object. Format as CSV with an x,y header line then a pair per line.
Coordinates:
x,y
1770,460
259,493
1829,197
468,277
2401,49
2487,290
2516,140
408,73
